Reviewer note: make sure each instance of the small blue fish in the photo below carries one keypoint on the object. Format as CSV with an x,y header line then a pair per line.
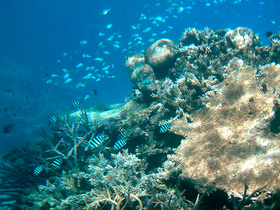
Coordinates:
x,y
145,82
105,11
38,170
165,127
119,144
109,26
79,65
56,163
98,140
83,42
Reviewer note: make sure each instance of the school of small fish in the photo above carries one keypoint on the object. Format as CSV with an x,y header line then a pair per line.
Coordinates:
x,y
97,65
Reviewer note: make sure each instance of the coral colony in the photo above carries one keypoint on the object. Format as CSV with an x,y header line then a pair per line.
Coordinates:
x,y
199,131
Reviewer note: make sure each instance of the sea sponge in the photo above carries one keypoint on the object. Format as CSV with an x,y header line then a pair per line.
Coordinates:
x,y
241,38
161,56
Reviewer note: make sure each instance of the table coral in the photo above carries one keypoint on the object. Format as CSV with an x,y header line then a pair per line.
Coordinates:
x,y
233,139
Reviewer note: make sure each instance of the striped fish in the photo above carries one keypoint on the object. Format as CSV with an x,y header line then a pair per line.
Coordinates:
x,y
56,163
165,127
19,161
119,144
38,170
98,140
52,120
123,134
76,104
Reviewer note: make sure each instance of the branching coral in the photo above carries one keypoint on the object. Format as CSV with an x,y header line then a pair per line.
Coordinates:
x,y
120,183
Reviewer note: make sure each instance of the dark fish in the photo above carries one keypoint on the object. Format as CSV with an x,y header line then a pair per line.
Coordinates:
x,y
10,90
76,104
165,127
98,140
120,143
268,34
94,91
56,163
8,128
38,170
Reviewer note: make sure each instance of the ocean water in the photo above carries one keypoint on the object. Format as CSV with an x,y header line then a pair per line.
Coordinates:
x,y
47,48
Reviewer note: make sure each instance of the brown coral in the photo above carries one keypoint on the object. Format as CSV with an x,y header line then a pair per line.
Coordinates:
x,y
231,140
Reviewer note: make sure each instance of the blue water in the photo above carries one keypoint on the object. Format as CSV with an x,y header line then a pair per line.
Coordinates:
x,y
40,38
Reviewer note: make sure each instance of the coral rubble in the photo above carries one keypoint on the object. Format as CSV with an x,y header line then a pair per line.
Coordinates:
x,y
203,119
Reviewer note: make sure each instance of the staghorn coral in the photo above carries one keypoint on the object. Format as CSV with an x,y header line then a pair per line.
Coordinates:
x,y
196,37
120,183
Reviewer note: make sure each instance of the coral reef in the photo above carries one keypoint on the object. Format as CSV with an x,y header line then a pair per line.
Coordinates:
x,y
203,118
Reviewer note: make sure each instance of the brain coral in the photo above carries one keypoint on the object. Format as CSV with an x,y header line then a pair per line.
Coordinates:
x,y
235,138
161,56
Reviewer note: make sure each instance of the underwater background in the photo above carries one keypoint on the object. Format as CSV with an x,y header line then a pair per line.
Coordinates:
x,y
100,109
38,39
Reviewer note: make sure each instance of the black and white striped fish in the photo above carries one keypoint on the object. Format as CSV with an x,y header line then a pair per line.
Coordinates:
x,y
165,127
52,120
120,143
38,170
123,134
98,140
20,161
76,104
56,163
